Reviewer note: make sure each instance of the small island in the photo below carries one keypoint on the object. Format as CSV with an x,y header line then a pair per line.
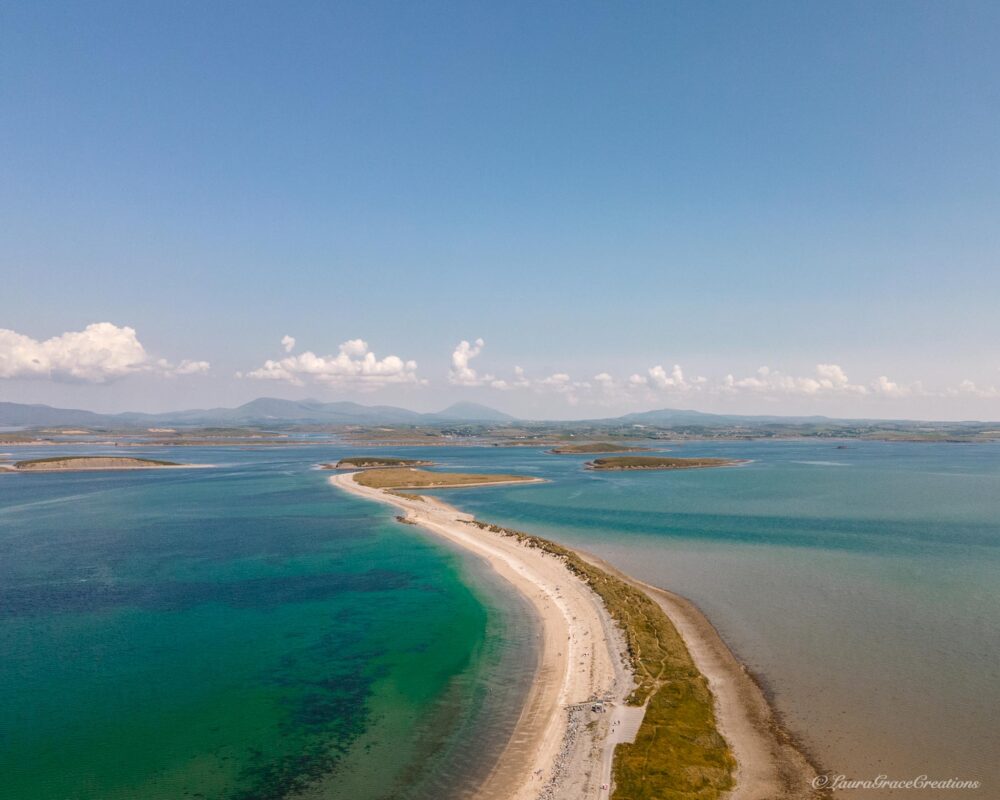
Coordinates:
x,y
87,463
595,447
405,478
376,462
622,463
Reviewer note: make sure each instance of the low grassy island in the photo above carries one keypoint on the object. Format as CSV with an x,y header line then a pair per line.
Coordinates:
x,y
376,462
85,463
406,478
622,463
596,447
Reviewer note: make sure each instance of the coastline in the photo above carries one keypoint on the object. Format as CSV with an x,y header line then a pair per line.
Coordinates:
x,y
554,751
768,764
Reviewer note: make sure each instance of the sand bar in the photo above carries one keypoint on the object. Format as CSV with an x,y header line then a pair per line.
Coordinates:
x,y
554,752
580,658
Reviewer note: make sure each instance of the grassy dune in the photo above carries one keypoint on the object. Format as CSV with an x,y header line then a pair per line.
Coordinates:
x,y
678,753
373,462
657,462
424,479
596,447
89,462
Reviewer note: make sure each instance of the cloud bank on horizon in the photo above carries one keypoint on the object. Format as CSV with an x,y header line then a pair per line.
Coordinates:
x,y
354,366
103,353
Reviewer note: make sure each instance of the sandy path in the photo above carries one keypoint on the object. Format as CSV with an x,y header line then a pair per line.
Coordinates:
x,y
552,753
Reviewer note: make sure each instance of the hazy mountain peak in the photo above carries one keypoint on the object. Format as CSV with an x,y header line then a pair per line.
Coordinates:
x,y
472,412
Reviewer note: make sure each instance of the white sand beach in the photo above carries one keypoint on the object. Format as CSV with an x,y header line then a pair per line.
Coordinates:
x,y
553,752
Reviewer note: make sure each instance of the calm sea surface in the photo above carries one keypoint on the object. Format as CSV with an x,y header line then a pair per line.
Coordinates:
x,y
248,632
862,584
243,632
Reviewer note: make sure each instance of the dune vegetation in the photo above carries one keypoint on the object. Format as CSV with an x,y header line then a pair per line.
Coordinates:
x,y
376,462
657,462
678,753
406,478
596,447
73,463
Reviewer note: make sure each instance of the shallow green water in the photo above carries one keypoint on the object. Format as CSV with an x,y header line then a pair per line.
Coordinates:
x,y
249,632
241,632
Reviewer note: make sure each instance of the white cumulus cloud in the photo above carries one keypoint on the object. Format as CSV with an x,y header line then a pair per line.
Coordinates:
x,y
100,353
883,387
658,378
354,365
660,384
188,367
829,379
288,343
969,388
462,374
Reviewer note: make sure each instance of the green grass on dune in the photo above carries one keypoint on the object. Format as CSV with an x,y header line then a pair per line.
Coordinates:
x,y
150,462
657,462
362,462
596,447
406,478
678,753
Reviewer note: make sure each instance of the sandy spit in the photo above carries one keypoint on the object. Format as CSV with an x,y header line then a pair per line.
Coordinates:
x,y
553,753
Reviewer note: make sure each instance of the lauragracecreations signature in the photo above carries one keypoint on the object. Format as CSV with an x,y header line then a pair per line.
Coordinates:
x,y
836,782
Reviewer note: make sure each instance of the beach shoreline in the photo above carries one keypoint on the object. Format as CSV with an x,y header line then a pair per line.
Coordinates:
x,y
771,764
557,746
582,653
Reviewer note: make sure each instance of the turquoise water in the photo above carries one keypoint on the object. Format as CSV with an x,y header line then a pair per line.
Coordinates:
x,y
861,584
247,631
243,632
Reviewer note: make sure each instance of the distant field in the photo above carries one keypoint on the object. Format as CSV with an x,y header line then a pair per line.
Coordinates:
x,y
597,447
373,462
88,462
656,462
390,478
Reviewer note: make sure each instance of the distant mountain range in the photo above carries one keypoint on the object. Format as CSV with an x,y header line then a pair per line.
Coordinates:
x,y
262,411
271,411
673,416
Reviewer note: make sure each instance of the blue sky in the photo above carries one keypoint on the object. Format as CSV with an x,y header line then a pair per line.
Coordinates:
x,y
594,190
